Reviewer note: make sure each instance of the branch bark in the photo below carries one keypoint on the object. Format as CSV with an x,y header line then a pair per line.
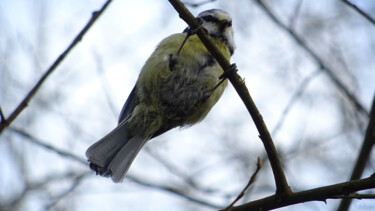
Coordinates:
x,y
282,187
6,122
317,194
363,155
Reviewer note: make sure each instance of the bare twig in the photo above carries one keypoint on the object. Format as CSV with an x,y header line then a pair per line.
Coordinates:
x,y
324,67
368,17
305,82
40,143
251,181
176,191
317,194
363,155
6,122
173,190
282,187
39,185
75,183
105,85
293,19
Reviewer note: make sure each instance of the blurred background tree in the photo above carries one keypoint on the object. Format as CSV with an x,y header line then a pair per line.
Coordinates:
x,y
300,59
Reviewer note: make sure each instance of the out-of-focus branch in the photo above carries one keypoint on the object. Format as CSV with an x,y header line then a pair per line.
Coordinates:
x,y
75,183
176,191
6,122
40,143
282,187
363,155
299,91
317,194
251,181
324,67
368,17
39,185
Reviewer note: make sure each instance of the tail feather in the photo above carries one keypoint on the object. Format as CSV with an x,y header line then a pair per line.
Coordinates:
x,y
112,155
125,157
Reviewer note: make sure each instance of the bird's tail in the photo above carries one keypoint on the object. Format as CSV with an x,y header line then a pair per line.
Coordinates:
x,y
112,155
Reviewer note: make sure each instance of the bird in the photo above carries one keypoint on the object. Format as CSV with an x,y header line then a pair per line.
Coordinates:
x,y
177,87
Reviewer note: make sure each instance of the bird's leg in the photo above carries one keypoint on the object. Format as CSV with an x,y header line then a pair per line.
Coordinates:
x,y
189,33
232,69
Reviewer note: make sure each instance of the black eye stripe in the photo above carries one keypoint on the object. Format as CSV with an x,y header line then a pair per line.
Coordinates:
x,y
210,18
226,23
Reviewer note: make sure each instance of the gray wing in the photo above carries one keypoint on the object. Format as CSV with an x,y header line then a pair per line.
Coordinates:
x,y
129,105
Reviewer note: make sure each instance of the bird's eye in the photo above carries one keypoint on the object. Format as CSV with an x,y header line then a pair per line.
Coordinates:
x,y
225,23
209,18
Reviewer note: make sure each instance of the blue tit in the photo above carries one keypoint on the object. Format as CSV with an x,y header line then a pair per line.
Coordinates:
x,y
177,87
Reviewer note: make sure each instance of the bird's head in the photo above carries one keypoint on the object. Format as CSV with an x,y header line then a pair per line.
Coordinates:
x,y
218,23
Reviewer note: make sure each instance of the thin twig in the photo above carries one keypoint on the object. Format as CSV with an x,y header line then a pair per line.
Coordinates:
x,y
299,91
293,19
75,183
251,181
178,192
173,190
302,43
282,187
33,91
368,17
49,147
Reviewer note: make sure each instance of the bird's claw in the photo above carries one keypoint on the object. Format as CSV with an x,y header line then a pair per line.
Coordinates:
x,y
230,70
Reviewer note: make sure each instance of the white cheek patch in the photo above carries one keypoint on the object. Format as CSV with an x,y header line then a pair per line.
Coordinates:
x,y
210,27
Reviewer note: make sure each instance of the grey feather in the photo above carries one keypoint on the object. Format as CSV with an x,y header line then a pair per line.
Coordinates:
x,y
112,155
124,158
129,105
102,152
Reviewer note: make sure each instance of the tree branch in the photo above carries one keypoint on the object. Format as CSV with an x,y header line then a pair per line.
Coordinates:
x,y
282,187
172,190
361,12
363,155
175,191
251,181
302,43
317,194
40,143
6,122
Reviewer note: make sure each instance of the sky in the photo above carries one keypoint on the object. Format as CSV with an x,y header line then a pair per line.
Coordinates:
x,y
81,100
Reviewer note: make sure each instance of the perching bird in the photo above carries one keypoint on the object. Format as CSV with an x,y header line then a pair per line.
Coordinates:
x,y
178,86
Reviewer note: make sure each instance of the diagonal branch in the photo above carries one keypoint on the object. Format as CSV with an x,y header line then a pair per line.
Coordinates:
x,y
176,191
302,43
47,146
173,190
368,17
363,155
251,181
6,122
282,187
